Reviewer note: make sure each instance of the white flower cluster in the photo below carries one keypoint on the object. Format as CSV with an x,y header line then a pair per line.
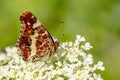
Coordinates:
x,y
70,63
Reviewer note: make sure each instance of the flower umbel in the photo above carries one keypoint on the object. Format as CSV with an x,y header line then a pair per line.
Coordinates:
x,y
71,62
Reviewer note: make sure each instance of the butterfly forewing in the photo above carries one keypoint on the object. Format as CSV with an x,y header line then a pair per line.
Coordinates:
x,y
35,42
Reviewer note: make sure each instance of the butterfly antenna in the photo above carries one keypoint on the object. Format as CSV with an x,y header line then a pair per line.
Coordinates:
x,y
61,29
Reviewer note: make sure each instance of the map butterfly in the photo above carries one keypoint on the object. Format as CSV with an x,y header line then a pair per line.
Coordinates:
x,y
35,41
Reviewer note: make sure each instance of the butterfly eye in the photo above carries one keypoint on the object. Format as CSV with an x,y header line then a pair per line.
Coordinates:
x,y
56,42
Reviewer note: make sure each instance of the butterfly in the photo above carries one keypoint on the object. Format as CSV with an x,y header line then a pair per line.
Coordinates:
x,y
35,42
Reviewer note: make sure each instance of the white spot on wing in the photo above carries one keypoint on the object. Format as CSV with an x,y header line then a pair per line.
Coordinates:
x,y
28,23
33,17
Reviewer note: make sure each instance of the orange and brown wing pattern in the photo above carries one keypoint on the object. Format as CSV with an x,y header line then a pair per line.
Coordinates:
x,y
35,42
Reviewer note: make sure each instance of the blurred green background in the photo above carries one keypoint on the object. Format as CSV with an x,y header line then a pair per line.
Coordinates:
x,y
97,20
